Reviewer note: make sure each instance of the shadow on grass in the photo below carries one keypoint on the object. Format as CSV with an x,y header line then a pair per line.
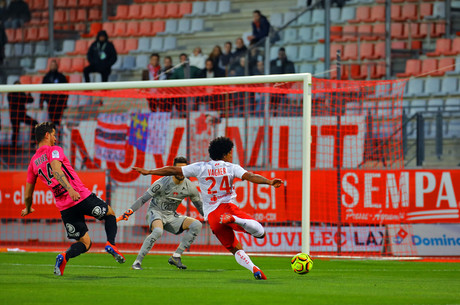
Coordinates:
x,y
82,277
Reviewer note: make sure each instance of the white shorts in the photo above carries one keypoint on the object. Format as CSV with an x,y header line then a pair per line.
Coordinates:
x,y
171,222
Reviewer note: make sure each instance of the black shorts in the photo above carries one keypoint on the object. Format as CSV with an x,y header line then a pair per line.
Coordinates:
x,y
74,217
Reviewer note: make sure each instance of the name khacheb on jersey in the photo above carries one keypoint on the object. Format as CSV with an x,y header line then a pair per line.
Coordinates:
x,y
216,182
40,166
167,195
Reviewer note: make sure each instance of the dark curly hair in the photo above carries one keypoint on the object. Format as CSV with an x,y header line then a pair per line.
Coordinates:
x,y
180,159
41,130
219,147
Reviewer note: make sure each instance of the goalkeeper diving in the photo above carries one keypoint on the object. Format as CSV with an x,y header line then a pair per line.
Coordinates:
x,y
166,194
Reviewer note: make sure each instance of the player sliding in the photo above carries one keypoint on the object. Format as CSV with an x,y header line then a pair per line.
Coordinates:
x,y
216,182
73,199
166,195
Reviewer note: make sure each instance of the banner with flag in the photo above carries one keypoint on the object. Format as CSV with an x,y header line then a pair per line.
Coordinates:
x,y
110,136
148,131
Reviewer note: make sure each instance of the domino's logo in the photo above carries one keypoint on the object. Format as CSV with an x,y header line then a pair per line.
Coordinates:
x,y
399,238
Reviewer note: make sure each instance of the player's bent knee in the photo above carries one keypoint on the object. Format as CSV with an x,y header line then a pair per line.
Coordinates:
x,y
195,226
156,233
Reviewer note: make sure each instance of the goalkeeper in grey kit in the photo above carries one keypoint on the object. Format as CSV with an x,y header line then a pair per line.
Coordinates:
x,y
166,194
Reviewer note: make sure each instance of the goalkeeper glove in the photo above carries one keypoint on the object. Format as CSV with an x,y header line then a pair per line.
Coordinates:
x,y
125,215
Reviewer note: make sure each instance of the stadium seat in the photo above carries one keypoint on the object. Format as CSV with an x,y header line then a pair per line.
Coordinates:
x,y
31,34
41,48
169,43
130,44
449,86
452,104
37,79
197,8
119,45
25,62
289,16
10,80
435,104
305,52
132,29
184,26
224,7
172,10
366,50
362,15
335,15
336,33
109,27
439,11
142,61
292,52
75,78
304,19
117,65
171,26
290,35
25,79
455,48
27,49
210,8
349,33
122,13
305,34
159,10
144,29
397,31
9,50
134,11
48,62
197,25
158,26
156,44
395,12
65,65
413,68
318,16
350,51
445,64
79,16
119,29
452,129
78,63
443,45
429,67
129,63
414,87
143,45
426,9
59,16
318,52
318,33
333,51
432,87
185,8
306,68
81,47
276,19
408,12
456,69
18,48
94,15
412,30
348,12
377,13
93,30
67,46
146,11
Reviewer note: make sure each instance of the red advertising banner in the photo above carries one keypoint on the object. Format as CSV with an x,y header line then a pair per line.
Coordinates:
x,y
13,184
368,197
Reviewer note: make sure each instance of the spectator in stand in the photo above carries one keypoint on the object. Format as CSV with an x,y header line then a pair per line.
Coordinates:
x,y
181,73
255,56
211,70
281,65
216,57
153,72
260,68
3,11
238,70
240,49
101,56
17,102
17,15
57,103
260,27
227,55
167,69
3,41
197,59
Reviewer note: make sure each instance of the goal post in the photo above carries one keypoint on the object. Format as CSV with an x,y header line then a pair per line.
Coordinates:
x,y
336,144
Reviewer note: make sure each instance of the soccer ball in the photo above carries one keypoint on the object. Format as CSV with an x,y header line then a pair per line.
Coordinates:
x,y
301,263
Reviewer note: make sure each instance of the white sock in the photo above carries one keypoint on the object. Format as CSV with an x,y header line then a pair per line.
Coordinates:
x,y
251,226
175,254
243,259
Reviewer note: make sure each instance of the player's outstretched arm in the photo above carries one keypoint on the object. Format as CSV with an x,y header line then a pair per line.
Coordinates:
x,y
135,206
28,199
61,178
164,171
258,179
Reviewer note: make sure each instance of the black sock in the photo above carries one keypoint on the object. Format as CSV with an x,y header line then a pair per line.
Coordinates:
x,y
111,228
75,250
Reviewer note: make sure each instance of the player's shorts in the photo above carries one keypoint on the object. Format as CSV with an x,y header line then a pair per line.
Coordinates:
x,y
224,232
74,217
172,222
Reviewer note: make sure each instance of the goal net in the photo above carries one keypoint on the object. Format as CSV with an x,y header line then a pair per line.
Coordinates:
x,y
346,186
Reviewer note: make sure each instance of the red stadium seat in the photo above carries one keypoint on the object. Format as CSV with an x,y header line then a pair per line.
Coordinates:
x,y
349,33
379,70
409,12
362,14
15,35
367,50
426,9
60,16
58,61
80,28
94,29
78,63
25,79
96,2
455,50
159,10
412,30
95,15
81,15
65,64
446,64
109,27
397,31
358,72
336,33
84,3
185,8
379,31
395,12
119,29
429,66
172,10
365,32
131,44
37,79
145,28
132,29
377,13
443,45
72,3
350,51
122,13
81,47
158,27
413,68
147,11
75,78
134,11
333,51
60,3
31,34
119,45
440,29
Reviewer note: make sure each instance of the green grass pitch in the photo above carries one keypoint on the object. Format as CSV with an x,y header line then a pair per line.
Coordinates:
x,y
93,278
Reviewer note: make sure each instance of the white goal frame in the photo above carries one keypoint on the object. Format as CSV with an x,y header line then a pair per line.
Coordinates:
x,y
305,78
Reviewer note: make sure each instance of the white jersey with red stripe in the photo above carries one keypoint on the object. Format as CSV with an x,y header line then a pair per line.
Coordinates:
x,y
216,182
